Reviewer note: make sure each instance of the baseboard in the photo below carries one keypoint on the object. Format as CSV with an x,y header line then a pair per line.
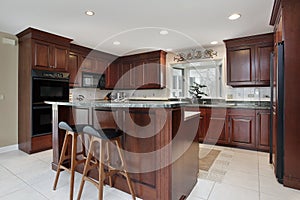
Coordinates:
x,y
8,148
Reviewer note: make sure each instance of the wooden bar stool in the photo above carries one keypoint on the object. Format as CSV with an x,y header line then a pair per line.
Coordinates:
x,y
72,133
103,137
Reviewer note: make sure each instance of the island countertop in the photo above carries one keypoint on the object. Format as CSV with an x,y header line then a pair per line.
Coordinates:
x,y
122,104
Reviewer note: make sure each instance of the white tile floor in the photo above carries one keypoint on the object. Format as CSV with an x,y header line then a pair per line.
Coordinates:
x,y
247,175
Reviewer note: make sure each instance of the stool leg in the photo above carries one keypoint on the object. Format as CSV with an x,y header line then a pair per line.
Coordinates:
x,y
61,159
118,144
73,163
108,163
101,170
86,168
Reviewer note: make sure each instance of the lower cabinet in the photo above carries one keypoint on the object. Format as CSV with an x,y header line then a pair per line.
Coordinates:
x,y
244,128
216,126
241,127
263,129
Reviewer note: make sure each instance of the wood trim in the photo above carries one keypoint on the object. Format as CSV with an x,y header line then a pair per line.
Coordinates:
x,y
275,11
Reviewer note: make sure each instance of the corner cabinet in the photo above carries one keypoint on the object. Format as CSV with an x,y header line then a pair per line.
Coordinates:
x,y
248,60
139,71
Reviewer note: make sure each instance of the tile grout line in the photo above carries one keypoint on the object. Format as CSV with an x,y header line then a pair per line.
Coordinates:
x,y
211,190
259,196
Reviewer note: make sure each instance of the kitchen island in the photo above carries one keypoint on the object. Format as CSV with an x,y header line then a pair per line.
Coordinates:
x,y
160,142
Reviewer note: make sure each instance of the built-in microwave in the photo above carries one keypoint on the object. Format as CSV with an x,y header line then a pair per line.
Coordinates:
x,y
93,80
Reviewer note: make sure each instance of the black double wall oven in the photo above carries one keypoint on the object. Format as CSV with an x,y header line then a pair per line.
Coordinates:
x,y
46,86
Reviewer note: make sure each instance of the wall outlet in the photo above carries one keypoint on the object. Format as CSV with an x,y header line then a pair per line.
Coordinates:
x,y
251,95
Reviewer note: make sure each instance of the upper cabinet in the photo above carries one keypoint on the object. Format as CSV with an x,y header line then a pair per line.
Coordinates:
x,y
50,56
248,60
49,52
139,71
82,59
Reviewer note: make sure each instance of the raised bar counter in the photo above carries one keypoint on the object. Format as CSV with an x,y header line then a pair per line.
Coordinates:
x,y
160,142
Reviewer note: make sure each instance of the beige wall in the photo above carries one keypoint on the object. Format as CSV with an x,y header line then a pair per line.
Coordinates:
x,y
9,90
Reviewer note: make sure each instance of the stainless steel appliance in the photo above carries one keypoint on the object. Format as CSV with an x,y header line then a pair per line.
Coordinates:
x,y
46,86
277,114
93,80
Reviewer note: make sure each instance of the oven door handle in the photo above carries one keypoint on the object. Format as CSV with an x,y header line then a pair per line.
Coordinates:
x,y
41,107
51,79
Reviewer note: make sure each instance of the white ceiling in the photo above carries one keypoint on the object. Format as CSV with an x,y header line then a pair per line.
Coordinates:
x,y
136,23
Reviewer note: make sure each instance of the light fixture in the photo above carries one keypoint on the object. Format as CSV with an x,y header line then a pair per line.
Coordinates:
x,y
234,16
164,32
116,43
90,13
214,42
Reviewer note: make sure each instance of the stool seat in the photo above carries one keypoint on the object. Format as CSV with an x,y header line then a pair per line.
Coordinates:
x,y
73,128
104,134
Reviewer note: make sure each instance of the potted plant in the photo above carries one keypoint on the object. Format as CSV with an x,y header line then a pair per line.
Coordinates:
x,y
196,91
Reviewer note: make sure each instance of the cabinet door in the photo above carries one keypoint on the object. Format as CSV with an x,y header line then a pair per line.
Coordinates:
x,y
73,64
202,125
88,64
216,126
138,70
42,57
127,78
151,74
240,66
242,131
263,130
101,66
60,58
114,71
263,54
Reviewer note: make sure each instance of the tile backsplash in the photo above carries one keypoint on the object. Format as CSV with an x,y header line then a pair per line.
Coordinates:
x,y
248,93
86,94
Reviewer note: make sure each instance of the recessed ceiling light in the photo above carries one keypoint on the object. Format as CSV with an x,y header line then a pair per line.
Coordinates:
x,y
234,16
90,13
214,42
116,43
164,32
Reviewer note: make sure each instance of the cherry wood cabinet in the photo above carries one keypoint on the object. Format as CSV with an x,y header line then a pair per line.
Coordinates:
x,y
241,128
43,51
244,128
73,66
263,129
216,126
139,71
248,60
82,59
48,56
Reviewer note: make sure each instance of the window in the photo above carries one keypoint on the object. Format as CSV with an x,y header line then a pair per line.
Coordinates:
x,y
177,84
207,73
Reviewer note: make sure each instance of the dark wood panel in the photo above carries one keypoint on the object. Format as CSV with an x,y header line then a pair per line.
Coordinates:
x,y
41,143
216,126
41,54
60,58
73,65
263,130
263,64
240,65
242,128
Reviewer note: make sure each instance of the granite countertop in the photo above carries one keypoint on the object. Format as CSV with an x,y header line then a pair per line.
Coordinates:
x,y
163,104
122,104
245,105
